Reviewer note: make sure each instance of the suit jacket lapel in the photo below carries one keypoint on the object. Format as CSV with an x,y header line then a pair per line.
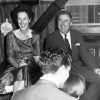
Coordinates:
x,y
59,36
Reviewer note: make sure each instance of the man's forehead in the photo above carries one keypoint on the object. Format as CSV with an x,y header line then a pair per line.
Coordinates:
x,y
66,16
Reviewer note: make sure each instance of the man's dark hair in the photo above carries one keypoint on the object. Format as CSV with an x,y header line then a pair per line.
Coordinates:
x,y
52,58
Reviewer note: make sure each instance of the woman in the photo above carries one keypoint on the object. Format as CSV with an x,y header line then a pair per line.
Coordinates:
x,y
22,43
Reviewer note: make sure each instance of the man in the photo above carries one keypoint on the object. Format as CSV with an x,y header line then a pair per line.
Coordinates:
x,y
55,65
82,60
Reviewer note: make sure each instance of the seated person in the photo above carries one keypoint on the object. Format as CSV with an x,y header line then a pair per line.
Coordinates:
x,y
23,43
75,85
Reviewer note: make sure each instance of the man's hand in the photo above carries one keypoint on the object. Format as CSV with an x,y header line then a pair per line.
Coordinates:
x,y
97,71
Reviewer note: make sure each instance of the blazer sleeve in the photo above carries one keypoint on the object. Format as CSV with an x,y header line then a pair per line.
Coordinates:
x,y
85,54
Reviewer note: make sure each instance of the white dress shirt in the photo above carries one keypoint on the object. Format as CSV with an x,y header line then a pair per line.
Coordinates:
x,y
68,37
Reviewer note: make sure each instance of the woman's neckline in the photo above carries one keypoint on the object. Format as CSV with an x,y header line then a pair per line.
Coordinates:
x,y
22,36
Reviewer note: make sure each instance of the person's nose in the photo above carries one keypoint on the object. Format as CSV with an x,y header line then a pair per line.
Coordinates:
x,y
21,21
63,23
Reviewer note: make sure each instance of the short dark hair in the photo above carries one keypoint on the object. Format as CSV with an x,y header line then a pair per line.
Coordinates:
x,y
75,85
52,58
64,12
61,12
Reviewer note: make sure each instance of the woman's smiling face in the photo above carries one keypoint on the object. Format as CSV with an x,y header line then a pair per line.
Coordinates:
x,y
23,20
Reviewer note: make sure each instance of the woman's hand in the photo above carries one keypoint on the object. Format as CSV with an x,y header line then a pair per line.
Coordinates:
x,y
36,58
22,63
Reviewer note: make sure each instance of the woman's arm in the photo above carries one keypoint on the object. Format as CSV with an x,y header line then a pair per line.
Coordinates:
x,y
10,50
38,45
13,62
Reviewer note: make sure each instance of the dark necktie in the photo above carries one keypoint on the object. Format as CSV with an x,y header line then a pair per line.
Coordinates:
x,y
68,45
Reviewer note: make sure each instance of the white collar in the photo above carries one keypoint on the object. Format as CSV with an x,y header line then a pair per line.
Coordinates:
x,y
67,35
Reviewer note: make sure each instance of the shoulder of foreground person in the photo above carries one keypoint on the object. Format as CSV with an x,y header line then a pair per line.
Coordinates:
x,y
26,94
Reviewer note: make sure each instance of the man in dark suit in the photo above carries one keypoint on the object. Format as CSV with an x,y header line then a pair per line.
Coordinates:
x,y
82,60
55,65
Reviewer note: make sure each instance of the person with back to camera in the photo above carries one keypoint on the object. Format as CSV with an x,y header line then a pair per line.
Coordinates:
x,y
22,44
82,60
55,66
75,85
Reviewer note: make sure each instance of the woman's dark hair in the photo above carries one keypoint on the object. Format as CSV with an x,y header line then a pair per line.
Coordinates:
x,y
21,8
